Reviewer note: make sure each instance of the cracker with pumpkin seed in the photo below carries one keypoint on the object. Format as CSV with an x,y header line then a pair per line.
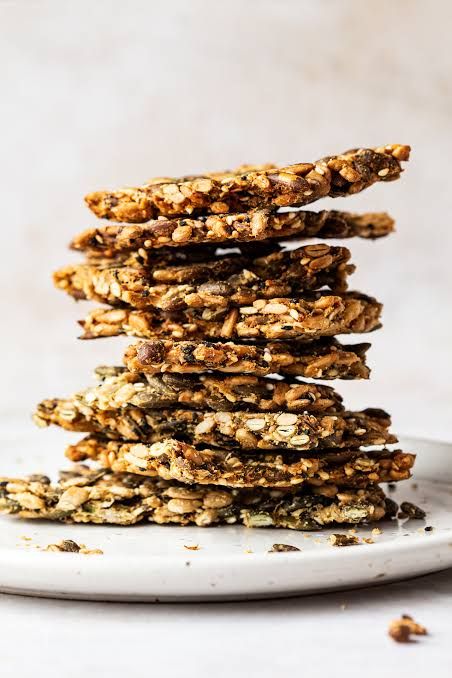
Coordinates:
x,y
120,388
103,497
325,359
115,240
175,460
229,281
252,187
247,430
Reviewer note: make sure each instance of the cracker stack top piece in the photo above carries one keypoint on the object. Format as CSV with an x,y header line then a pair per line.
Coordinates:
x,y
249,187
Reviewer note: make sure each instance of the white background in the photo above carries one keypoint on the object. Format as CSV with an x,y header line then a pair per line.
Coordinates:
x,y
101,94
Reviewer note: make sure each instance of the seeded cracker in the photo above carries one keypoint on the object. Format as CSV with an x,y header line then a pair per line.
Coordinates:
x,y
230,281
242,190
223,429
120,388
113,240
326,359
101,497
274,319
172,459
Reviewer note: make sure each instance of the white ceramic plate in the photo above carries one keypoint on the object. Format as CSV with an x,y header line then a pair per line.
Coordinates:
x,y
150,562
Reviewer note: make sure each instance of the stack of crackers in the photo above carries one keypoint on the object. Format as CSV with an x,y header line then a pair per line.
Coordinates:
x,y
237,299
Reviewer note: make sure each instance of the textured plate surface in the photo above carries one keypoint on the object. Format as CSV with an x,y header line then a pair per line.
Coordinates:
x,y
150,563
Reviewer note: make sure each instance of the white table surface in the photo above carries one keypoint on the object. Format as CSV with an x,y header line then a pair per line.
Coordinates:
x,y
340,634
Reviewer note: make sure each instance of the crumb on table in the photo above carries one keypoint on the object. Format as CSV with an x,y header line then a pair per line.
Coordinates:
x,y
402,629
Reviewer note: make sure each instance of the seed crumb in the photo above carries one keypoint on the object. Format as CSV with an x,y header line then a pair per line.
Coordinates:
x,y
343,540
402,629
279,548
26,538
194,547
92,552
65,546
368,540
409,510
70,546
